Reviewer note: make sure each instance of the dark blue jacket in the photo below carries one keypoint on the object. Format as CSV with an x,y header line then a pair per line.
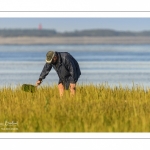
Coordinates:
x,y
67,68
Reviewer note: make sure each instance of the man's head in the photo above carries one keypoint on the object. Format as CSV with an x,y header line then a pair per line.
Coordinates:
x,y
51,57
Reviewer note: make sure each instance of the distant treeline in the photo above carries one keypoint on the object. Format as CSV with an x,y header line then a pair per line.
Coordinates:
x,y
53,33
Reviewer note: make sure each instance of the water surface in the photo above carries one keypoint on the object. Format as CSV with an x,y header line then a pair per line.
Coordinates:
x,y
112,64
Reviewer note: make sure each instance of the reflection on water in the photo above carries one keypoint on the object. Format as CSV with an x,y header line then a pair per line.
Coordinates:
x,y
112,64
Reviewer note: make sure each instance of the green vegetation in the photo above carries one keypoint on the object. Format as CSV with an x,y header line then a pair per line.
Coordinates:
x,y
93,109
53,33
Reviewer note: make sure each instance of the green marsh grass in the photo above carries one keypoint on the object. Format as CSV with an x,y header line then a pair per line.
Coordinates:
x,y
94,108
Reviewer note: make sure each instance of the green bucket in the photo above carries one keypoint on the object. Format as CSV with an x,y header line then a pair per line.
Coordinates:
x,y
29,88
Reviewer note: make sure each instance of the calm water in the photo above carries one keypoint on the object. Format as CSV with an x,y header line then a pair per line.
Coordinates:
x,y
112,64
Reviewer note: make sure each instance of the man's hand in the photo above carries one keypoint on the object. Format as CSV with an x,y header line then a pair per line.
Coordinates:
x,y
38,82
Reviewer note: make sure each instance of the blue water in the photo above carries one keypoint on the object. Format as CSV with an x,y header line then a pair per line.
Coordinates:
x,y
115,65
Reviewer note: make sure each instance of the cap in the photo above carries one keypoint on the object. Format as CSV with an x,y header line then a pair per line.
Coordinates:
x,y
49,56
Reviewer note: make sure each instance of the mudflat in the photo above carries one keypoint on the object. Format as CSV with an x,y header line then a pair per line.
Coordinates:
x,y
76,40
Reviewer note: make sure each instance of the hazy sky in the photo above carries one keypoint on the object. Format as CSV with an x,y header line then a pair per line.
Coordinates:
x,y
71,24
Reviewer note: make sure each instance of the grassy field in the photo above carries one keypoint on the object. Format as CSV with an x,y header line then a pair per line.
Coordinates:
x,y
93,109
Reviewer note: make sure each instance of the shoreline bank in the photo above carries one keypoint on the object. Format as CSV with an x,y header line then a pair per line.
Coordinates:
x,y
75,40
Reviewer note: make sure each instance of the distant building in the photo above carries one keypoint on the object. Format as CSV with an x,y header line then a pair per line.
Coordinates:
x,y
40,26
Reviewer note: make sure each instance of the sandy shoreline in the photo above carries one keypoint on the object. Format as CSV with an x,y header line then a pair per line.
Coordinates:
x,y
74,40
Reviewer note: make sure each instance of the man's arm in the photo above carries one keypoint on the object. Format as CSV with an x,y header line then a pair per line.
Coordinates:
x,y
46,69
